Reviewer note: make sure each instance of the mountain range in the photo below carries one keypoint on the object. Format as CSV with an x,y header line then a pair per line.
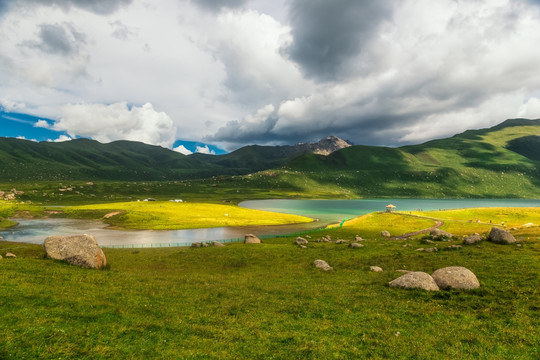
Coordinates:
x,y
501,161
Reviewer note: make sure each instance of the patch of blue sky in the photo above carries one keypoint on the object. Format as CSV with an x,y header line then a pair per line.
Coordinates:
x,y
26,126
195,146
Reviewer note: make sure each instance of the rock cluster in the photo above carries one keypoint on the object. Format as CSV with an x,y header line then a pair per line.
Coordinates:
x,y
80,250
452,277
300,241
473,239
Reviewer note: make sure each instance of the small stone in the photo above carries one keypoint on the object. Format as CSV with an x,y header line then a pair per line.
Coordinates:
x,y
217,244
403,271
1,257
196,244
385,233
303,247
453,247
397,333
300,241
10,255
356,245
518,245
251,239
341,241
375,269
358,238
321,264
433,249
308,237
420,249
472,239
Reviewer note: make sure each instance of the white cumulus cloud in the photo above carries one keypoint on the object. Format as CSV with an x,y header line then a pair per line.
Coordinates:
x,y
205,150
106,123
182,150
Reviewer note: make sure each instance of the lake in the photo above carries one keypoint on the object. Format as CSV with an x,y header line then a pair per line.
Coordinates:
x,y
327,211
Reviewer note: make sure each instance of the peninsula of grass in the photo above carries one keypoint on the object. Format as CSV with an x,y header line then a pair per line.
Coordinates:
x,y
267,301
166,215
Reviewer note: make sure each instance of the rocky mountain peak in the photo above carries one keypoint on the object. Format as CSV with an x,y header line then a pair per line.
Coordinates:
x,y
325,146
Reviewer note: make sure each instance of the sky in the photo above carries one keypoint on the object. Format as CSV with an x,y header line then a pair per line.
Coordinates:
x,y
212,76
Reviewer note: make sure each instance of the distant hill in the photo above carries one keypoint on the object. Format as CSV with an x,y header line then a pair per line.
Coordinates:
x,y
84,159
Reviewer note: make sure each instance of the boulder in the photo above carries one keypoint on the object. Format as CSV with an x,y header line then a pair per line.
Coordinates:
x,y
321,264
415,280
455,277
500,236
385,233
375,269
300,241
472,239
356,245
440,234
251,239
80,250
217,244
10,255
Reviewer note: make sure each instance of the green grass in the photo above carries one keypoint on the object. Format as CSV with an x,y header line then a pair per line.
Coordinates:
x,y
268,302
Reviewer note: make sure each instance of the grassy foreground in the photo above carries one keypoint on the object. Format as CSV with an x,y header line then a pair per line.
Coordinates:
x,y
268,302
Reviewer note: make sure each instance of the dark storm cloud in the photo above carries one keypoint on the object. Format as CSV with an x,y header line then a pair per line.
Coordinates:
x,y
217,5
58,39
101,7
326,34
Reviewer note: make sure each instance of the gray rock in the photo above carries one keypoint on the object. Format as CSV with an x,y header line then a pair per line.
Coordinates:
x,y
80,250
415,280
321,264
385,233
303,246
341,241
300,241
375,268
433,249
251,239
356,245
217,244
196,244
500,236
10,255
472,239
438,233
455,277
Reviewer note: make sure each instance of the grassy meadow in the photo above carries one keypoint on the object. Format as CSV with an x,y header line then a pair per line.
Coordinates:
x,y
267,301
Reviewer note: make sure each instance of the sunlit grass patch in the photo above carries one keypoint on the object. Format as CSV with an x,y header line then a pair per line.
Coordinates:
x,y
169,215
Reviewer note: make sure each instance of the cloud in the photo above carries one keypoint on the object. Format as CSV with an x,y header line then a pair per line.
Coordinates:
x,y
217,5
42,124
61,138
205,150
118,121
182,150
121,31
58,39
95,6
329,34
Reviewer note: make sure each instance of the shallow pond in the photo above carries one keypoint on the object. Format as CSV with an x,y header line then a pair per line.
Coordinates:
x,y
327,211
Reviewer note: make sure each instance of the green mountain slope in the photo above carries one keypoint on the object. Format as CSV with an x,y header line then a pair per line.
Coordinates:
x,y
502,161
81,159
